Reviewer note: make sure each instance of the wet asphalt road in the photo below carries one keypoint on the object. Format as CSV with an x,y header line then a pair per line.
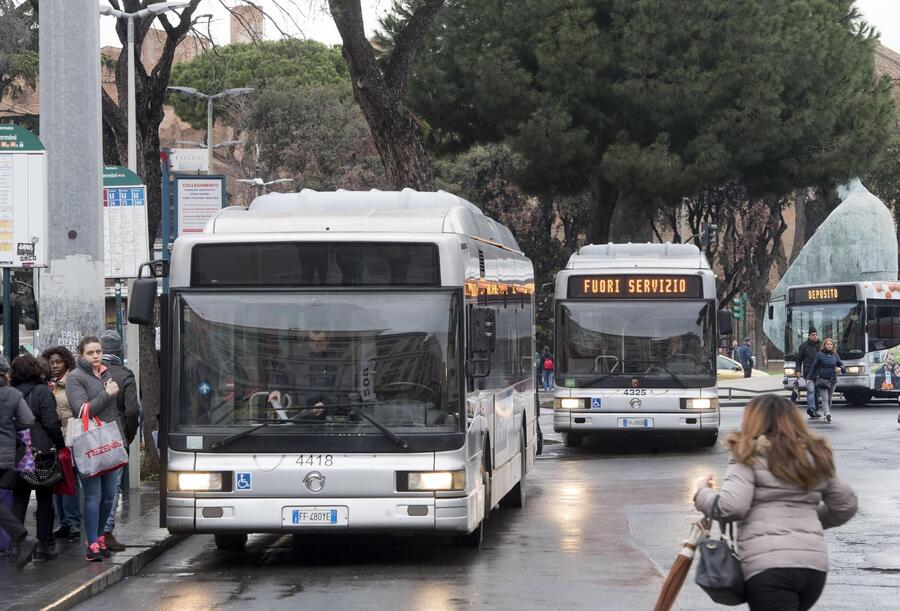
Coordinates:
x,y
601,527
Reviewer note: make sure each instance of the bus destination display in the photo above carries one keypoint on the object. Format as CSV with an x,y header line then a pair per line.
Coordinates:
x,y
635,287
823,294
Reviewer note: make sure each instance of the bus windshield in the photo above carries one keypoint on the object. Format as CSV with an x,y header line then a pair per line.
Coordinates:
x,y
839,321
318,360
660,344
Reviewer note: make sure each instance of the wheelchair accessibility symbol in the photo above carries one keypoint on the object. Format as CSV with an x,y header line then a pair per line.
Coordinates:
x,y
244,481
595,402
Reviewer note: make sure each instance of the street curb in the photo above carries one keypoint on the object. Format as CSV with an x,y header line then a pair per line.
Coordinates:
x,y
114,574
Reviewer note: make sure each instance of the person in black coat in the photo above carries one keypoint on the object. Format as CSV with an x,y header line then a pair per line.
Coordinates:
x,y
29,377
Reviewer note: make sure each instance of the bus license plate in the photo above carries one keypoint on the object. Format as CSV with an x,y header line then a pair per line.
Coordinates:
x,y
315,516
635,423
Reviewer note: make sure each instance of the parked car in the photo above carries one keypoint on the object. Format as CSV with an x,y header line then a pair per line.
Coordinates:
x,y
729,369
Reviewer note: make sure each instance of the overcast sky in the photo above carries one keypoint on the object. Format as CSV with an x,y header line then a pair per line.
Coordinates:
x,y
307,18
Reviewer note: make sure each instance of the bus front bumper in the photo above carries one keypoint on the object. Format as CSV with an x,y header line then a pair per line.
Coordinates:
x,y
844,382
456,515
565,421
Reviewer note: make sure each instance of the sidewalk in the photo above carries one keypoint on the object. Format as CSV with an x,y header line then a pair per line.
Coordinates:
x,y
69,580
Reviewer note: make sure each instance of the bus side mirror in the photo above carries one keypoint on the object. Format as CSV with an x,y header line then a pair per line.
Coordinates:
x,y
725,327
771,312
141,302
483,332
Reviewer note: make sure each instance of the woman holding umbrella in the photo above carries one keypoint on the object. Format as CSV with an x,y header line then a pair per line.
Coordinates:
x,y
782,491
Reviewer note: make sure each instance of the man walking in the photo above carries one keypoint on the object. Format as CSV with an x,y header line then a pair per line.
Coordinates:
x,y
806,355
745,354
129,408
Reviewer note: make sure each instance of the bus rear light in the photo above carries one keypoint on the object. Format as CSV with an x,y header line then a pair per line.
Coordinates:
x,y
430,481
192,481
568,403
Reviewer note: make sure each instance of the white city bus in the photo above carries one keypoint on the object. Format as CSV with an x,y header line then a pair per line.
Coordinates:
x,y
344,361
636,342
863,319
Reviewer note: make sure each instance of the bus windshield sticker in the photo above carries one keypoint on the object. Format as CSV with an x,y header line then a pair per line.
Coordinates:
x,y
243,481
635,287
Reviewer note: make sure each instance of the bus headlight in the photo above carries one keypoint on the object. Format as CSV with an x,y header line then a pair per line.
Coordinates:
x,y
195,482
700,403
430,481
790,371
855,369
568,403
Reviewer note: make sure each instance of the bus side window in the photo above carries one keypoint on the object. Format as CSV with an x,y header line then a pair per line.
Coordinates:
x,y
883,326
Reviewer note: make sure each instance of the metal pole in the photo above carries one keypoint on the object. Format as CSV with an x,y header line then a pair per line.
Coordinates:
x,y
120,326
209,134
7,314
72,303
132,110
166,221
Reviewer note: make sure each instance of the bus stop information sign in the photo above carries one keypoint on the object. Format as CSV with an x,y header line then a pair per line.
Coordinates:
x,y
23,198
126,245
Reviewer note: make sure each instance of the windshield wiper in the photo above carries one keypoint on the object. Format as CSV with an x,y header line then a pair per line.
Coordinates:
x,y
674,377
387,432
227,441
371,419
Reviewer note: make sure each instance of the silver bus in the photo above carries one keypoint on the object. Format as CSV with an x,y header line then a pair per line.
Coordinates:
x,y
863,319
344,361
636,334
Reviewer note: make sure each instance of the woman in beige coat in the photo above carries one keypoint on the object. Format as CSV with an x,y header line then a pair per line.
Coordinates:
x,y
781,491
68,508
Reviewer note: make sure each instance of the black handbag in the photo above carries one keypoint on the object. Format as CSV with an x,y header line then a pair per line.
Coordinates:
x,y
823,383
719,570
47,471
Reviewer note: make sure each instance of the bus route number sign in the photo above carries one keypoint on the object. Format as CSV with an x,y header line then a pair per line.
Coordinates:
x,y
823,294
635,287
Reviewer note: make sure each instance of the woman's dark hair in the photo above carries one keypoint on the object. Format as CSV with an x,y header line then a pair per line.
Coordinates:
x,y
63,353
26,368
87,339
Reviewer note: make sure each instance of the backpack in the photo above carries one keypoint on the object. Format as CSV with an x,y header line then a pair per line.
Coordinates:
x,y
548,364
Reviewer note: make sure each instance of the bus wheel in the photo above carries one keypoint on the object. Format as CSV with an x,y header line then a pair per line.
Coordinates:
x,y
474,538
857,398
515,498
709,441
231,542
573,440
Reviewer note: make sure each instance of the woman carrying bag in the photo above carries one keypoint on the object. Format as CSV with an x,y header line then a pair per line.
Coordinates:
x,y
29,378
68,508
781,491
89,387
824,374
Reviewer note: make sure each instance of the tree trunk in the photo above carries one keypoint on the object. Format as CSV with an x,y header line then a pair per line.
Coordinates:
x,y
150,392
379,92
604,200
799,225
398,140
758,335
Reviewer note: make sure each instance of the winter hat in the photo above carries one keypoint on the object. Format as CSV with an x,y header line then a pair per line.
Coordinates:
x,y
811,331
4,365
111,342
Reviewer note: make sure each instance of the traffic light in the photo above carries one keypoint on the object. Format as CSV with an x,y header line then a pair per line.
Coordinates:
x,y
737,308
707,234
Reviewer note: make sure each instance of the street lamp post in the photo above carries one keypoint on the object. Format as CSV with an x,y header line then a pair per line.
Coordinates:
x,y
190,91
153,9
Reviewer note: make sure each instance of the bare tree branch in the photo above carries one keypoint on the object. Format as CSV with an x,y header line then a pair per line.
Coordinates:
x,y
408,41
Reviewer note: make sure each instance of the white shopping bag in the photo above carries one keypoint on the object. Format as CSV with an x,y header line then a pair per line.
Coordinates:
x,y
98,448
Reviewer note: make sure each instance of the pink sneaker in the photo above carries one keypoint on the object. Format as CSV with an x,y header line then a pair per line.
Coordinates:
x,y
93,553
104,551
